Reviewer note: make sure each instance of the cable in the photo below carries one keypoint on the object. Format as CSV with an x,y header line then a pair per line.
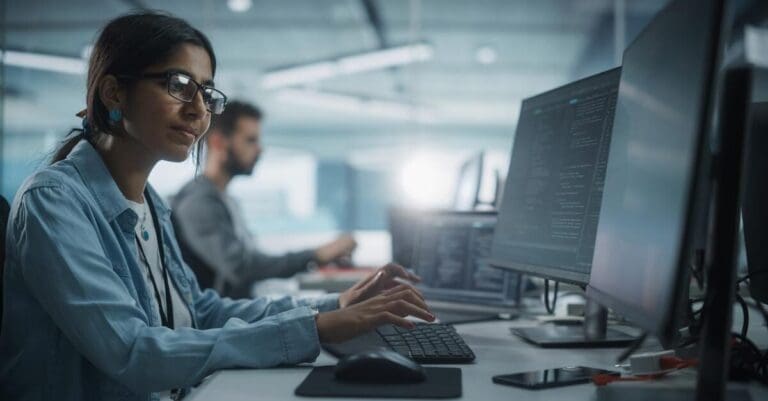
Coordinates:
x,y
632,348
744,313
550,309
763,311
697,267
747,361
658,367
752,274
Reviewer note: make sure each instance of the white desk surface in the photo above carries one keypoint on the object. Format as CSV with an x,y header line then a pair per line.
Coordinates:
x,y
497,351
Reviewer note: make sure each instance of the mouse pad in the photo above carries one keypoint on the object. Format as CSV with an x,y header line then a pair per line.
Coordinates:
x,y
440,383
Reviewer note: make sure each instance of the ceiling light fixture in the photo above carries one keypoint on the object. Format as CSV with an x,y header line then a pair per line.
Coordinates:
x,y
347,65
45,62
239,6
486,55
357,104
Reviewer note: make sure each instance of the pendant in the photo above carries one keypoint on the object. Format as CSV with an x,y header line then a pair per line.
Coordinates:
x,y
145,235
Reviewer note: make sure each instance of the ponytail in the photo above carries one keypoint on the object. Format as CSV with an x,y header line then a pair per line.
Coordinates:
x,y
72,139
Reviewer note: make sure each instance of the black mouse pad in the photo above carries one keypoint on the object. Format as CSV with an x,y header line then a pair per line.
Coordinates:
x,y
440,383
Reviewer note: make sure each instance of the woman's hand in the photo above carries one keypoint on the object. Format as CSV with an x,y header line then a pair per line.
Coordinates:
x,y
389,307
384,278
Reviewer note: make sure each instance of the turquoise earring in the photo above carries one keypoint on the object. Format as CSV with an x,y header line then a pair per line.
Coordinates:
x,y
115,115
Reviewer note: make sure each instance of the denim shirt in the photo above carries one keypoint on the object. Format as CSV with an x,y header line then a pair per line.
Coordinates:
x,y
78,321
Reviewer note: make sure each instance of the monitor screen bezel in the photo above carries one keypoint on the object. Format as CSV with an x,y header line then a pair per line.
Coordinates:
x,y
498,259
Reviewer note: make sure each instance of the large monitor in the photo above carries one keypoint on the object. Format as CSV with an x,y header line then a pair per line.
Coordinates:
x,y
548,216
467,192
450,255
754,210
648,220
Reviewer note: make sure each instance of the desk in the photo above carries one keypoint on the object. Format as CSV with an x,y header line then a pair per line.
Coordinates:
x,y
497,351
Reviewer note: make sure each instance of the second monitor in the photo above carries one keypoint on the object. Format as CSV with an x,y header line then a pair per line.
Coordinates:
x,y
548,216
450,254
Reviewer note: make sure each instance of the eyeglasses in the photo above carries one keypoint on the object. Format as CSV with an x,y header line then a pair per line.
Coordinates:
x,y
182,87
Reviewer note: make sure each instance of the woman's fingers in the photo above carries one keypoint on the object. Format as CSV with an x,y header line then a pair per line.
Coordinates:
x,y
390,318
404,308
367,280
409,295
393,270
369,284
402,287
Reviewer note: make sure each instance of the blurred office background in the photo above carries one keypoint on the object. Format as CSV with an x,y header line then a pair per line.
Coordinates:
x,y
370,104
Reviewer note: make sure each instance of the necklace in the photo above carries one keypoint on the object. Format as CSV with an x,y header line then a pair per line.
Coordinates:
x,y
143,225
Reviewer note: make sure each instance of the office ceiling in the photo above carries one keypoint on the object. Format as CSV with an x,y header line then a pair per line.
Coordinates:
x,y
538,45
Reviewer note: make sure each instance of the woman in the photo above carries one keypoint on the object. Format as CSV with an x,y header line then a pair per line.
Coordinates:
x,y
98,302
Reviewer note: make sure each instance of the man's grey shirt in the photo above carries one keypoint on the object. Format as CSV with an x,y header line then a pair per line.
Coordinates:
x,y
217,245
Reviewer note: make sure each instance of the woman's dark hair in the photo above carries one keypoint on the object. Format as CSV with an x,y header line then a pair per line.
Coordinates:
x,y
127,46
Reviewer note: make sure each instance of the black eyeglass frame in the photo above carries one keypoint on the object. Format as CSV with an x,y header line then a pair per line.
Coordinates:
x,y
167,75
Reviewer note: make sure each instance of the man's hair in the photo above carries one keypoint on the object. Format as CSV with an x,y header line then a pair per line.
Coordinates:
x,y
226,121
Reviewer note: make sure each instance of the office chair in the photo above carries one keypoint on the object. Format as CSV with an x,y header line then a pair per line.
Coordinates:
x,y
4,210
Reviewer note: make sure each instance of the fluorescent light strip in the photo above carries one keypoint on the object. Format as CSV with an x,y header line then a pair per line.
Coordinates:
x,y
354,104
385,58
45,62
347,65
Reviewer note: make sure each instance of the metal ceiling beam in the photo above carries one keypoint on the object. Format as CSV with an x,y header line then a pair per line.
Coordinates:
x,y
374,19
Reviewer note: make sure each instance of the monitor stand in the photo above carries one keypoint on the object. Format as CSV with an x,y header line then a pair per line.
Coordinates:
x,y
456,317
593,333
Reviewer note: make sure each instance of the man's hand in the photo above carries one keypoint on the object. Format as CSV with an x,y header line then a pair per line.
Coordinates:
x,y
341,246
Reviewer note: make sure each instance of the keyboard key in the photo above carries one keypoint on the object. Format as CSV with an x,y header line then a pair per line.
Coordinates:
x,y
387,330
427,343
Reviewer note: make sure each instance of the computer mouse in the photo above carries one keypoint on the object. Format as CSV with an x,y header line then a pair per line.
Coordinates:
x,y
379,366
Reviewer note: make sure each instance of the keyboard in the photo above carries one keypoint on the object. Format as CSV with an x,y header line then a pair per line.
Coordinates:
x,y
426,343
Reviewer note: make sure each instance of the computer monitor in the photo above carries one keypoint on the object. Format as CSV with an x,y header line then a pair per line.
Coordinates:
x,y
646,225
753,204
467,191
660,143
450,255
548,216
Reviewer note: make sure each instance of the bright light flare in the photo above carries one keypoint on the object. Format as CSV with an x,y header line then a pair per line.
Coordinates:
x,y
426,183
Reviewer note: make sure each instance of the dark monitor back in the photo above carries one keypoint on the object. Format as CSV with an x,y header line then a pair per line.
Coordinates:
x,y
648,219
548,215
403,227
467,192
451,254
755,203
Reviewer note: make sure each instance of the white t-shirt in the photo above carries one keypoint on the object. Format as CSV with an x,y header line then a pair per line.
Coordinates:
x,y
148,242
181,315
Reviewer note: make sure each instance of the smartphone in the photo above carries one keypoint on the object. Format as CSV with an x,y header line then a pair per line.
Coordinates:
x,y
540,379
